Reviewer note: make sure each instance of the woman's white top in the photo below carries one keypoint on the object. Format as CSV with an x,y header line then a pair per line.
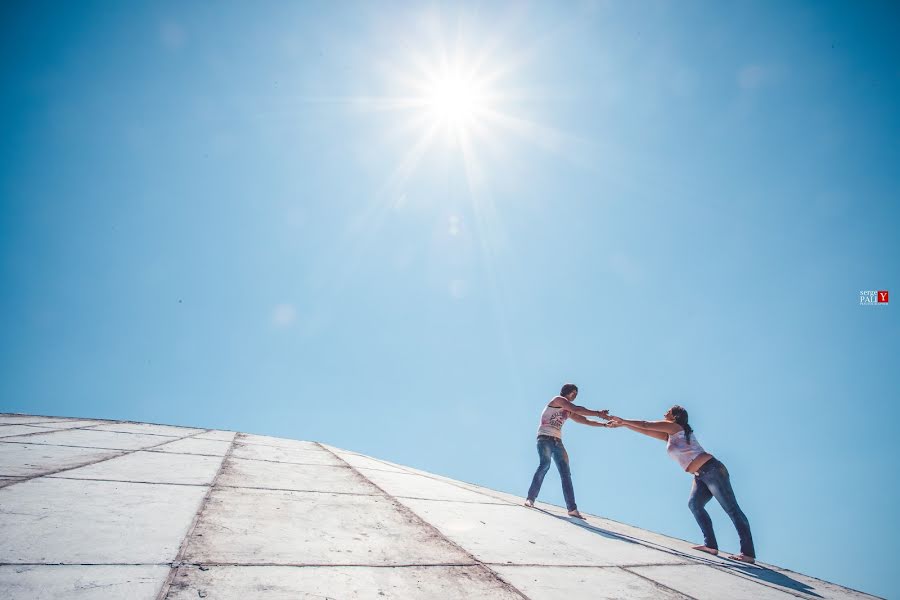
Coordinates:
x,y
552,420
683,451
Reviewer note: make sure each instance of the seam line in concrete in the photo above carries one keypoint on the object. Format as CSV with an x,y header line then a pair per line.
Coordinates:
x,y
380,493
246,442
179,557
658,584
50,430
147,448
59,419
429,526
282,462
105,480
165,435
271,489
6,484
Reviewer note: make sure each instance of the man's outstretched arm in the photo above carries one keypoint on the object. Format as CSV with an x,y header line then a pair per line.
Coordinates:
x,y
579,410
579,419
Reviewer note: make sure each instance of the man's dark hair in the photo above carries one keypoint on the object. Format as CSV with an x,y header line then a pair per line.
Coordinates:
x,y
567,389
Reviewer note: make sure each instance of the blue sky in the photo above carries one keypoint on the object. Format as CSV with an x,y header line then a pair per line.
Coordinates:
x,y
232,216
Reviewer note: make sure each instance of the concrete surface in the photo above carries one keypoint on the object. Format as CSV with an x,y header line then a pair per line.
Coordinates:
x,y
95,509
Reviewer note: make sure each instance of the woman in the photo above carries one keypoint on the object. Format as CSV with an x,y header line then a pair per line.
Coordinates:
x,y
710,477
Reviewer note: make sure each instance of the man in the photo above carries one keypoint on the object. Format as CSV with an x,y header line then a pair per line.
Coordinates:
x,y
549,443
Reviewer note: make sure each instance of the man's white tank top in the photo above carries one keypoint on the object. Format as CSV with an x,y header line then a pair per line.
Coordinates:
x,y
552,420
683,451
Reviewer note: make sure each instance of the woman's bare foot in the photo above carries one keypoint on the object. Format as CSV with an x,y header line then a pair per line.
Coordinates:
x,y
743,558
529,503
576,514
706,549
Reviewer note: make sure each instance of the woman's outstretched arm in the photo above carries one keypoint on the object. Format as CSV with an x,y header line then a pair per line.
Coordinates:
x,y
667,427
654,434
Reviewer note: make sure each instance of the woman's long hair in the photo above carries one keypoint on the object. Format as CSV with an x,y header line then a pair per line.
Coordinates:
x,y
681,417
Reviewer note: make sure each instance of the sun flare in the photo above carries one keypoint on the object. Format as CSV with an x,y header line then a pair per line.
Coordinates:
x,y
459,94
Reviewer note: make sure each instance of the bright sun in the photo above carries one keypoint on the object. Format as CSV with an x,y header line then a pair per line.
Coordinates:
x,y
451,96
455,100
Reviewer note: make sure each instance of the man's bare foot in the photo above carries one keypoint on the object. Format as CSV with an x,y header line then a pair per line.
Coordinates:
x,y
706,549
529,502
576,514
743,558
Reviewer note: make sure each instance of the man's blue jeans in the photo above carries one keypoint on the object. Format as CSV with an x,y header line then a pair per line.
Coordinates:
x,y
548,446
713,480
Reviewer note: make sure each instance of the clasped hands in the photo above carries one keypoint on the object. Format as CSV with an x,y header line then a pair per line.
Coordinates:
x,y
612,420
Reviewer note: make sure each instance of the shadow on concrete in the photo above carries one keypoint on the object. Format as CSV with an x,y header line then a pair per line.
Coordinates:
x,y
584,525
774,578
757,572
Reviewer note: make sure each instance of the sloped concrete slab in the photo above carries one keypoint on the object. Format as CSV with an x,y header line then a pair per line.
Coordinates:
x,y
221,436
27,460
285,476
389,466
248,526
312,456
364,462
705,583
64,521
408,485
517,535
346,583
343,539
265,440
583,583
195,446
80,582
87,438
167,430
383,464
11,430
154,467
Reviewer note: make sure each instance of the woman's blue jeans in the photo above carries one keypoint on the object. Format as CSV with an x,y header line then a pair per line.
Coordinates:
x,y
548,447
713,480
